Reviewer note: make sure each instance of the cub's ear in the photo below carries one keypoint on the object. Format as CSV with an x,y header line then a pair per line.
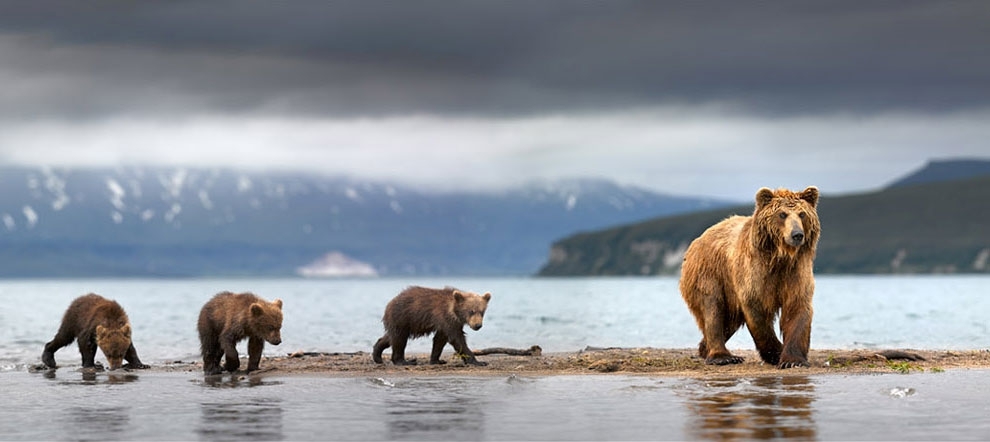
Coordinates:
x,y
458,296
810,195
763,197
126,330
487,296
101,330
257,309
278,303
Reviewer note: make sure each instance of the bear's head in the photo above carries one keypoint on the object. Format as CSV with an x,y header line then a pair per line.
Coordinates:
x,y
114,342
266,321
470,307
786,222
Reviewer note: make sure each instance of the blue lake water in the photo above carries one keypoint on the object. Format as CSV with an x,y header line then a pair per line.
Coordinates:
x,y
923,312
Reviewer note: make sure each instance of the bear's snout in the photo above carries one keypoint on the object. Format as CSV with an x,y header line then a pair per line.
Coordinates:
x,y
275,341
115,363
476,327
797,237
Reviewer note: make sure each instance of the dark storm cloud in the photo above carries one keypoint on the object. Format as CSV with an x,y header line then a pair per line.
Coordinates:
x,y
498,58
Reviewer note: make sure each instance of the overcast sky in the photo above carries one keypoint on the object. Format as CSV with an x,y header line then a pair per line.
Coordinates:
x,y
689,98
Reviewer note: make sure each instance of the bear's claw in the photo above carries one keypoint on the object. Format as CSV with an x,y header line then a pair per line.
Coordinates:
x,y
723,360
793,364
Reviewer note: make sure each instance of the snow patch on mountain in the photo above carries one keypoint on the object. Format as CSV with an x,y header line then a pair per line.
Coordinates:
x,y
117,194
31,216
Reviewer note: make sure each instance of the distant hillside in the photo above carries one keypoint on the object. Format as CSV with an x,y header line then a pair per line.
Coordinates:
x,y
938,227
945,170
208,222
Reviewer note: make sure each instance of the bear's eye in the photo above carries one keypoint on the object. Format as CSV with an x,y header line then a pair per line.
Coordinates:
x,y
801,215
782,215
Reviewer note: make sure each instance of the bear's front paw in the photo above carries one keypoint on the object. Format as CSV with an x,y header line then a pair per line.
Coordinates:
x,y
404,362
723,360
48,358
793,364
438,362
477,362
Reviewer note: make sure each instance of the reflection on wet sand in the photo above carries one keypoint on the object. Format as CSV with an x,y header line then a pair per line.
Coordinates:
x,y
761,408
92,377
234,381
251,420
445,412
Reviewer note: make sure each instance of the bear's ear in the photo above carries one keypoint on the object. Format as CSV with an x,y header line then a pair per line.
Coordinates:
x,y
810,195
763,197
278,303
101,330
487,296
257,309
126,330
458,296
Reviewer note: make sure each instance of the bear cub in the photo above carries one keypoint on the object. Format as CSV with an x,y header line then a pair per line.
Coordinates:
x,y
94,321
229,318
419,311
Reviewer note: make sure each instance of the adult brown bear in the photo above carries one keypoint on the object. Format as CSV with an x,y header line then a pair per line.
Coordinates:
x,y
419,311
747,269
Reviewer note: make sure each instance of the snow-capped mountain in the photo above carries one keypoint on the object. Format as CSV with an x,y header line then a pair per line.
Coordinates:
x,y
182,221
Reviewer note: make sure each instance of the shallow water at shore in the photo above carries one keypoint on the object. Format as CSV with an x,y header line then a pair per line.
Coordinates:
x,y
561,315
69,404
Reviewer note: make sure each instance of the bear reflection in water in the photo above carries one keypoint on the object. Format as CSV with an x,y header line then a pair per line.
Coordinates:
x,y
746,409
251,420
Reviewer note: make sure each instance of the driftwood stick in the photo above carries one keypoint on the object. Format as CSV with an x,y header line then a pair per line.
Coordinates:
x,y
532,351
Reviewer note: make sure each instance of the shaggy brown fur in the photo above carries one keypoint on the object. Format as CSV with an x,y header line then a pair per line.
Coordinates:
x,y
747,269
229,318
419,311
95,321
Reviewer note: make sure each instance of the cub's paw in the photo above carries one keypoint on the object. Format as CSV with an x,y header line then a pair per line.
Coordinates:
x,y
723,360
438,362
404,362
48,358
477,363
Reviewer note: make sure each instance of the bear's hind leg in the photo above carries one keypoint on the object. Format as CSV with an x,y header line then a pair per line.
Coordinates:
x,y
380,346
62,338
212,353
719,325
399,349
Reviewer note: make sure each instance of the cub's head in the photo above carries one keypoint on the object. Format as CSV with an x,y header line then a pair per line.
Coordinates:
x,y
114,342
470,307
266,321
786,222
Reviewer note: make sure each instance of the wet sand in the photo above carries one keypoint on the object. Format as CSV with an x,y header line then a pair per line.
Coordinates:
x,y
647,361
